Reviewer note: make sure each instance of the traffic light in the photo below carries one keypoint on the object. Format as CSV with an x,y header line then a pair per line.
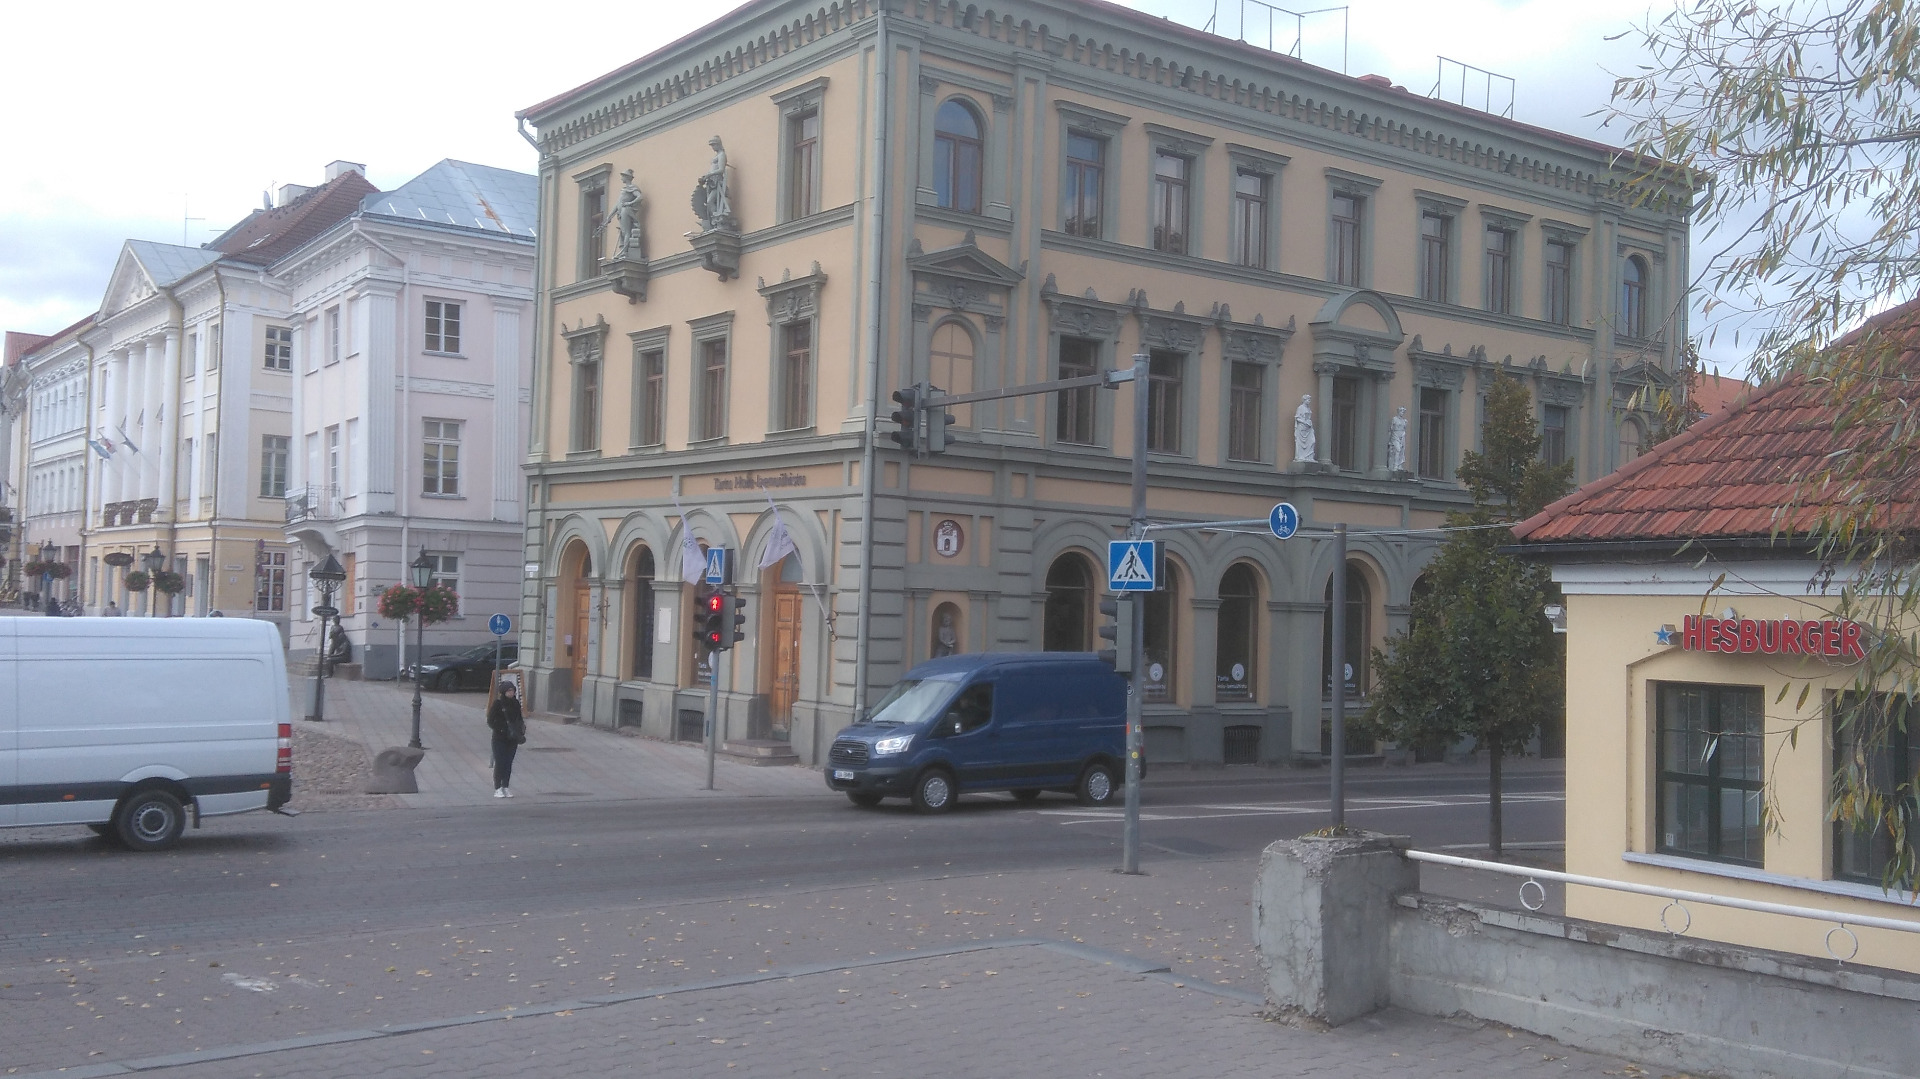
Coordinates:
x,y
1120,631
709,608
938,420
735,622
908,417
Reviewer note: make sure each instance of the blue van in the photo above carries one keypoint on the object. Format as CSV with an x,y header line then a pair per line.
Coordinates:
x,y
1024,722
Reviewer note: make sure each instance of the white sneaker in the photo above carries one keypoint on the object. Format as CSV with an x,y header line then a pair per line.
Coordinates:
x,y
508,791
499,792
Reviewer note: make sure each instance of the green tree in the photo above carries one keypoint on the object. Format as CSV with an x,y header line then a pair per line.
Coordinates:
x,y
1479,658
1806,116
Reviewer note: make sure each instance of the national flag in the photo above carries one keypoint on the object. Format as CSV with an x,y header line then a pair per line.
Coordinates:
x,y
127,441
102,446
779,541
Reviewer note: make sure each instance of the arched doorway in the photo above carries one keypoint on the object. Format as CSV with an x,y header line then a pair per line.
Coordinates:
x,y
641,626
780,643
576,566
1067,623
1358,636
1237,634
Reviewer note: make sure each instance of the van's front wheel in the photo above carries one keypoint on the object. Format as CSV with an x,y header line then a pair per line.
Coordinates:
x,y
150,820
934,792
1096,785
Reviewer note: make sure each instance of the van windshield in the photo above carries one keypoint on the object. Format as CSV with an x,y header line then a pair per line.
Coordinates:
x,y
912,701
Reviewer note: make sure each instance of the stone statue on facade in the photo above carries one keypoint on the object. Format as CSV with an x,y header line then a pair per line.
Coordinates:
x,y
946,640
712,202
1397,441
1305,444
624,218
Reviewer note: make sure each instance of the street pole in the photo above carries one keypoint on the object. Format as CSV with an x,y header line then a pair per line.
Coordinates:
x,y
1337,660
320,668
713,711
419,659
1136,529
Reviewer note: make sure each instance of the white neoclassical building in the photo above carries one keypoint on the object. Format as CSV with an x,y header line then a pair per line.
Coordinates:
x,y
50,456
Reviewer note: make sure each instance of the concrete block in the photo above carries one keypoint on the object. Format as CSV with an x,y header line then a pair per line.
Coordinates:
x,y
393,771
1323,919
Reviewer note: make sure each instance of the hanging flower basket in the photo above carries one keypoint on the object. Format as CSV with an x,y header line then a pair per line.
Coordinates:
x,y
169,582
137,581
59,571
434,604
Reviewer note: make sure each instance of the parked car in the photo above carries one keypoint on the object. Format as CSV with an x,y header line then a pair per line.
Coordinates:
x,y
128,725
469,669
1025,722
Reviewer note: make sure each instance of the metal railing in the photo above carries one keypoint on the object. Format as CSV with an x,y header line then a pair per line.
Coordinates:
x,y
1677,898
315,502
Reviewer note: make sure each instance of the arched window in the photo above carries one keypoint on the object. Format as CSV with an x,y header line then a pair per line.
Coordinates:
x,y
1237,639
1633,297
640,617
1633,440
956,157
1161,638
1359,635
950,365
1069,612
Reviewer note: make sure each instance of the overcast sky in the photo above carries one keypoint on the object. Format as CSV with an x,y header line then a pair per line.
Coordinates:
x,y
167,121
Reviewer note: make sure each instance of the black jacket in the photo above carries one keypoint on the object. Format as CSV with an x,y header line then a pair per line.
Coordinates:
x,y
504,718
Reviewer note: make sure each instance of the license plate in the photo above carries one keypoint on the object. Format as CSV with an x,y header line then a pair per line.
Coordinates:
x,y
842,773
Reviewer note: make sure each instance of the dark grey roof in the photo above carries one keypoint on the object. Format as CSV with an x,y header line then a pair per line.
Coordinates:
x,y
460,194
168,263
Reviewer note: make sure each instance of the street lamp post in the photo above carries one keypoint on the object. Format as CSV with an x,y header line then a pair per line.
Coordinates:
x,y
422,572
153,560
47,551
328,575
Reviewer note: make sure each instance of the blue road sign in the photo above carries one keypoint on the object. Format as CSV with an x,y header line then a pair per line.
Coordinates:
x,y
1130,565
716,565
499,625
1284,520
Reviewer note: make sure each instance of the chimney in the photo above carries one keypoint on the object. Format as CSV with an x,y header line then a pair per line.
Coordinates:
x,y
289,192
337,169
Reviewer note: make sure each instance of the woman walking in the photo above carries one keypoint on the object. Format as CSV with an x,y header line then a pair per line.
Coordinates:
x,y
509,729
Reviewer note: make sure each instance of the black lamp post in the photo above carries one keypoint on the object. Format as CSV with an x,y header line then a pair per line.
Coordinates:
x,y
421,569
47,551
328,576
153,560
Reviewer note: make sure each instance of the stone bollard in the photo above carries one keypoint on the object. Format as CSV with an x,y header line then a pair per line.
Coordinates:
x,y
1322,919
393,771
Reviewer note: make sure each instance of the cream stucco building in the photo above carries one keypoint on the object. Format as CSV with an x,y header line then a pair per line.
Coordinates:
x,y
900,192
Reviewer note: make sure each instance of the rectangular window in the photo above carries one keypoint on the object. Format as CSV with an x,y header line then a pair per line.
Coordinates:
x,y
1344,450
803,148
1436,241
586,403
270,582
1165,373
712,415
333,460
354,451
593,219
190,359
1171,173
1553,434
333,335
1879,740
1244,406
1073,411
443,326
1346,239
213,347
446,572
1559,300
1499,270
796,376
1709,763
1250,219
441,472
279,348
350,563
1433,433
651,376
273,465
1086,170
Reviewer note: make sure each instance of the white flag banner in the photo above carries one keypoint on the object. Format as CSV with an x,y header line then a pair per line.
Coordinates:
x,y
779,541
693,564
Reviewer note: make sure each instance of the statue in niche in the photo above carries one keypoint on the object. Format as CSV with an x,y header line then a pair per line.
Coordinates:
x,y
946,639
1305,445
712,203
1397,441
624,217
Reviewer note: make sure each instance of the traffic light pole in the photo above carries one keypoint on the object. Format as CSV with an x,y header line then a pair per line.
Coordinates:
x,y
1136,529
713,713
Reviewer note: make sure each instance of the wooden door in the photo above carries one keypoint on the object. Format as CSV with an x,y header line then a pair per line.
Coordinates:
x,y
787,612
577,648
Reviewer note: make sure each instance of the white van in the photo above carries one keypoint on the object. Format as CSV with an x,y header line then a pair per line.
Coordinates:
x,y
127,724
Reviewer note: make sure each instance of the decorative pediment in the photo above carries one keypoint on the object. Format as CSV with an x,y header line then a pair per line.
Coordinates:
x,y
1636,385
1441,370
1080,316
793,299
586,343
1356,328
964,261
1173,330
129,285
1254,342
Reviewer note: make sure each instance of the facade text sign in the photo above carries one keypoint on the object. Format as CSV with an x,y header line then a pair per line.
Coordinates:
x,y
1836,638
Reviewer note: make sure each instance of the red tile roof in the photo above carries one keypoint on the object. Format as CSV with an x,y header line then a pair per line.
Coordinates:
x,y
1734,474
19,344
1713,392
265,235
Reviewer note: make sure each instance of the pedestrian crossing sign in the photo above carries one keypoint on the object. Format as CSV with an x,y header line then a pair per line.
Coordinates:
x,y
717,566
1132,565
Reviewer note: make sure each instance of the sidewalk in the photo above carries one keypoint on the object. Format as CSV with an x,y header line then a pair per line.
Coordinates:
x,y
560,762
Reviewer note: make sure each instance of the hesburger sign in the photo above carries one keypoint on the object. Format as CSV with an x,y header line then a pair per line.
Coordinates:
x,y
1829,638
